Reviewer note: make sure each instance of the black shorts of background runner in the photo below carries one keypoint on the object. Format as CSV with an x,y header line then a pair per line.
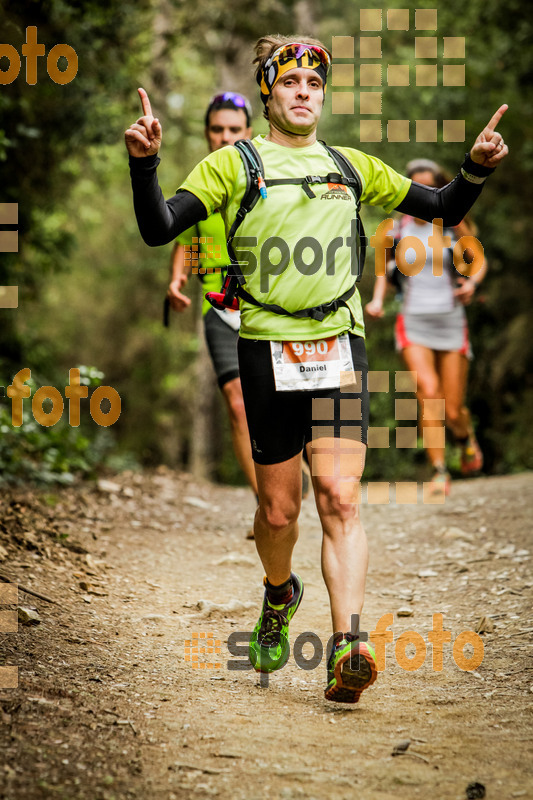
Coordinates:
x,y
222,345
281,423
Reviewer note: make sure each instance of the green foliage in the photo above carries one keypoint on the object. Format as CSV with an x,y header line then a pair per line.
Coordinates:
x,y
46,128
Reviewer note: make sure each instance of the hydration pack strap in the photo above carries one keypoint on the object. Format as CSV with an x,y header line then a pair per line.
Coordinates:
x,y
305,183
315,312
255,183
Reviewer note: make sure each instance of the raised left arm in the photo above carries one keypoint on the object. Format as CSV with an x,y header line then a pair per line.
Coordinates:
x,y
453,201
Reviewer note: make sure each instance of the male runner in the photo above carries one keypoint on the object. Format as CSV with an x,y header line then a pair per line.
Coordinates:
x,y
227,119
292,76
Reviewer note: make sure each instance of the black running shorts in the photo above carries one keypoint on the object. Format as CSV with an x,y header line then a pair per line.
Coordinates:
x,y
282,423
222,345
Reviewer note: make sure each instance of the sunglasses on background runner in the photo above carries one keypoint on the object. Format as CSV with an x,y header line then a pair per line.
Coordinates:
x,y
237,99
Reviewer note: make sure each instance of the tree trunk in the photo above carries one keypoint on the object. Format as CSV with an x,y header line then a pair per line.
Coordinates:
x,y
203,456
305,18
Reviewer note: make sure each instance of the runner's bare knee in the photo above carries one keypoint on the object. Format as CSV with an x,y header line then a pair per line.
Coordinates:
x,y
333,499
429,388
279,516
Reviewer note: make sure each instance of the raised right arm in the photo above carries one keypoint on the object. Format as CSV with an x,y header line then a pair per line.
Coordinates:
x,y
159,220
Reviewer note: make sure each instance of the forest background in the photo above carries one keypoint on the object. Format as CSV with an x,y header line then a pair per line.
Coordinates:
x,y
91,293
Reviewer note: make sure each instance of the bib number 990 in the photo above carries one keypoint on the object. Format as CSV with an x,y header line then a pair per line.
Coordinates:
x,y
309,348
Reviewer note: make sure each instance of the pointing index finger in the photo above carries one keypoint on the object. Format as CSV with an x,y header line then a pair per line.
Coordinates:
x,y
147,108
497,117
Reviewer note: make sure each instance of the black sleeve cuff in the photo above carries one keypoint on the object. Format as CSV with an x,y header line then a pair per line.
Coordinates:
x,y
475,169
144,164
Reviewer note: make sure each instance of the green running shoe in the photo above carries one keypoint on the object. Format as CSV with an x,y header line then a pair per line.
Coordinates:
x,y
351,669
269,643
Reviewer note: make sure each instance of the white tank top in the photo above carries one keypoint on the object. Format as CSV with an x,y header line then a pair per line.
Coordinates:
x,y
426,293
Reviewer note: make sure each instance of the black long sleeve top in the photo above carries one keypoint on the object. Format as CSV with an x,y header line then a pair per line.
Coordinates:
x,y
162,220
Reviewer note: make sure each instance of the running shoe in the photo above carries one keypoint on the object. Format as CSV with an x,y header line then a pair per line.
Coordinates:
x,y
269,643
471,456
440,483
351,670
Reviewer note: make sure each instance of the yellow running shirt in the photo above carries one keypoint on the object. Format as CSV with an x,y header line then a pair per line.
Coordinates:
x,y
295,251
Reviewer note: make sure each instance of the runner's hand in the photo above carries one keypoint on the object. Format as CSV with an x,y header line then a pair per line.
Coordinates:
x,y
143,138
375,309
465,291
489,148
178,301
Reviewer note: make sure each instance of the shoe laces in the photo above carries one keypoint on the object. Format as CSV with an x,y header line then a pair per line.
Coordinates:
x,y
346,639
273,621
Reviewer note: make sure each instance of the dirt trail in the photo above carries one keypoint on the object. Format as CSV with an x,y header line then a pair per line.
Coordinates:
x,y
109,707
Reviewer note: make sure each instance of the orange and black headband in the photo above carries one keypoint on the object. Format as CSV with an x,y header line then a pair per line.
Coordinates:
x,y
291,56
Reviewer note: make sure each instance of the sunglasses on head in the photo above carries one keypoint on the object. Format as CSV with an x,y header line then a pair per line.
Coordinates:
x,y
295,50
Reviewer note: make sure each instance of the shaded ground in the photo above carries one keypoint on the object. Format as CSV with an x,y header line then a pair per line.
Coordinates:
x,y
108,707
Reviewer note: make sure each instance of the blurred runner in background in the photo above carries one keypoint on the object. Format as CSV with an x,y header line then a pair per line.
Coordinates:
x,y
227,119
431,329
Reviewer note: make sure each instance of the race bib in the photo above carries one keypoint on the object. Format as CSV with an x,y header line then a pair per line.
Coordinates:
x,y
302,366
